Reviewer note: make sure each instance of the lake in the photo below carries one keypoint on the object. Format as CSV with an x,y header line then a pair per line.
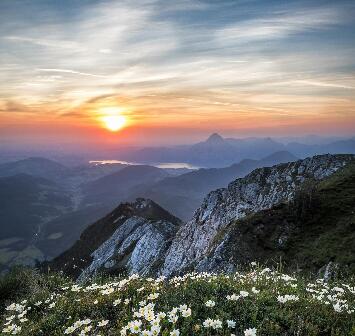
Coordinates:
x,y
164,165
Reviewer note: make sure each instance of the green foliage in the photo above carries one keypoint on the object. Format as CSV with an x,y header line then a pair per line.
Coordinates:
x,y
316,228
253,299
23,283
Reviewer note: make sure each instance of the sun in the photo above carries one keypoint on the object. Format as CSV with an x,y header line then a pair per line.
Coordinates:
x,y
114,122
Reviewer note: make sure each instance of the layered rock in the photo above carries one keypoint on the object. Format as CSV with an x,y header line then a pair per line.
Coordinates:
x,y
313,232
137,246
259,190
133,238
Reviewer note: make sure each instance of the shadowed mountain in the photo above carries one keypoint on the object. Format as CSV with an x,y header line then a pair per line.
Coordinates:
x,y
181,195
36,166
27,203
60,233
115,188
341,146
142,228
52,170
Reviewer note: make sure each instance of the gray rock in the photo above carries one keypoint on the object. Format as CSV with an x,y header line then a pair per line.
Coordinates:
x,y
261,189
136,247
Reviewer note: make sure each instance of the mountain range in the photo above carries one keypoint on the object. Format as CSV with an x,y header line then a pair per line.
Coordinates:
x,y
50,205
77,197
217,151
298,210
182,194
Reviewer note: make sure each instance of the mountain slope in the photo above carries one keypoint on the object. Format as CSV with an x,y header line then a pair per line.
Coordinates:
x,y
316,228
261,189
27,203
36,166
134,236
117,187
181,195
340,146
59,234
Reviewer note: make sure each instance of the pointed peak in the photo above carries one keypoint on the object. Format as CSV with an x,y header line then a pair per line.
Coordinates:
x,y
143,203
215,138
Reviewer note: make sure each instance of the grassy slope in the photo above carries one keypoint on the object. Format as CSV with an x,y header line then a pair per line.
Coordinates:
x,y
329,228
316,228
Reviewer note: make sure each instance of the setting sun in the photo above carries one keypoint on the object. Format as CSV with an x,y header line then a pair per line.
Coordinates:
x,y
114,122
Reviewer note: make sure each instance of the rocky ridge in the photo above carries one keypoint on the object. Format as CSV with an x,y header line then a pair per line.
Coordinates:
x,y
134,238
313,232
259,190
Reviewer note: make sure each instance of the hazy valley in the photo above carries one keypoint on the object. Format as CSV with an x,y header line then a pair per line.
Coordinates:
x,y
50,204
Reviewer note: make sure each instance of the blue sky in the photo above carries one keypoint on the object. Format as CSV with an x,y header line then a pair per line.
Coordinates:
x,y
238,66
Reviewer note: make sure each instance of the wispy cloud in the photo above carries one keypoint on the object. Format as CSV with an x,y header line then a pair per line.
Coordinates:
x,y
278,25
71,45
323,84
185,59
72,72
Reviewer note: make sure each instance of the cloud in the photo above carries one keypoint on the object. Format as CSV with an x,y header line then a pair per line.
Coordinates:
x,y
71,45
181,60
277,26
105,51
323,84
14,107
72,72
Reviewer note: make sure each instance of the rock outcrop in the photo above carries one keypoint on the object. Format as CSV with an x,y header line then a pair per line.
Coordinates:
x,y
259,190
133,238
313,232
137,246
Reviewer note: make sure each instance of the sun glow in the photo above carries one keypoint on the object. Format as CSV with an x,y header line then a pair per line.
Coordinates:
x,y
112,118
114,122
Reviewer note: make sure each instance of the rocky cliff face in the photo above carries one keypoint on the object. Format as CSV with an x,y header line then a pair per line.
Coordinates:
x,y
259,190
313,232
137,246
134,238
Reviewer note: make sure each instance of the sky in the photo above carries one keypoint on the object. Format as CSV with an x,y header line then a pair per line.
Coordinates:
x,y
175,70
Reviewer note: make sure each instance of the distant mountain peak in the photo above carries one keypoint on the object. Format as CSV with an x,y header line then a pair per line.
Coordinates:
x,y
215,138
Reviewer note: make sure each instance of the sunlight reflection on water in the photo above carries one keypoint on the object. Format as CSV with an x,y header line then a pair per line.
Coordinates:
x,y
165,165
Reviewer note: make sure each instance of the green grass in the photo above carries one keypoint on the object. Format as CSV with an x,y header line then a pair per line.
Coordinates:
x,y
318,226
55,304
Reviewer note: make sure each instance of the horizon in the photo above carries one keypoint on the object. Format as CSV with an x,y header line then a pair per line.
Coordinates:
x,y
70,155
150,73
87,148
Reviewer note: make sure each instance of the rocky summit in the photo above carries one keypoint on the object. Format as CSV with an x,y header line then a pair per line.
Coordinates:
x,y
134,238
